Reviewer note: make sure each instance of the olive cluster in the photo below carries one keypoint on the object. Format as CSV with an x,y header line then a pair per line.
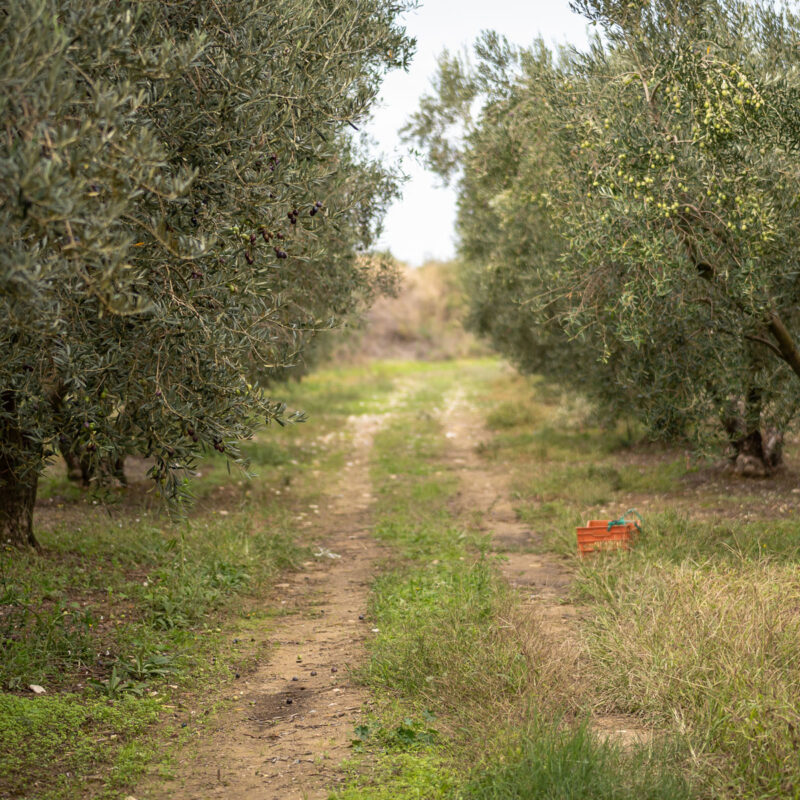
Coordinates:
x,y
279,251
293,215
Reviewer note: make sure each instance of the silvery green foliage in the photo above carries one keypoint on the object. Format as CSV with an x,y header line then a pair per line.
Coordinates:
x,y
182,202
633,210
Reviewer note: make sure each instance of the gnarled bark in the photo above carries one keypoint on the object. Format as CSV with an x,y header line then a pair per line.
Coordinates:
x,y
756,451
18,481
84,470
17,498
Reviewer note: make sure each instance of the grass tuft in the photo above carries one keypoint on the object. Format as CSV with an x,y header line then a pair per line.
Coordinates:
x,y
559,761
443,639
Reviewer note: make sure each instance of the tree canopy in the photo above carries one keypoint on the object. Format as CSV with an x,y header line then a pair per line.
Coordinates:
x,y
182,202
628,213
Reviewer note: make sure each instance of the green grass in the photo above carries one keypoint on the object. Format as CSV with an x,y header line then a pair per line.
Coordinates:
x,y
53,747
454,642
339,393
115,591
560,761
112,625
441,642
126,613
415,775
695,630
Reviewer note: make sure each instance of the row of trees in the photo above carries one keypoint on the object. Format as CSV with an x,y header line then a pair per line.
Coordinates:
x,y
182,205
628,214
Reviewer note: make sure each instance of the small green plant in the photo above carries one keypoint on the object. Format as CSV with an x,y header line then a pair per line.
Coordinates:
x,y
147,666
117,683
408,734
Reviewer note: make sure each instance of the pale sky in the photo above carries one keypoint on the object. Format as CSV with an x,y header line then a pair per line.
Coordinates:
x,y
420,225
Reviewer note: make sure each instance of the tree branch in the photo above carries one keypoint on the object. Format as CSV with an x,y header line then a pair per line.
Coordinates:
x,y
786,345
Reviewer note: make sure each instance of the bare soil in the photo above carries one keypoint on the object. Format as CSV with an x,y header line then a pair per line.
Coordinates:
x,y
293,718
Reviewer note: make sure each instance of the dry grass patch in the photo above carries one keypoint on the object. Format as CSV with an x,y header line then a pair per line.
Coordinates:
x,y
710,649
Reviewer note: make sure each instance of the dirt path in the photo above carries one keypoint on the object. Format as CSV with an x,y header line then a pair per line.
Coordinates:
x,y
542,579
294,717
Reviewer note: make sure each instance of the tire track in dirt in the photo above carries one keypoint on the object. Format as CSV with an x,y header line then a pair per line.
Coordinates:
x,y
542,579
293,718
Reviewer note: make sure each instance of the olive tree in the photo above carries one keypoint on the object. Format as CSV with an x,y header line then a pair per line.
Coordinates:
x,y
672,183
678,136
509,230
182,202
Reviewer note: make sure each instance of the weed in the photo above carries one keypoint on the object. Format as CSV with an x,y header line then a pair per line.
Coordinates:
x,y
407,735
421,773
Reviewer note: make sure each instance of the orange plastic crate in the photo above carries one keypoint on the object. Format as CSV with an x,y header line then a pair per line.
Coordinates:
x,y
596,536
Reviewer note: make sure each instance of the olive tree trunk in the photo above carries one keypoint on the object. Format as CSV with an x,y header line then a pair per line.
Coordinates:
x,y
17,498
84,470
756,451
18,482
